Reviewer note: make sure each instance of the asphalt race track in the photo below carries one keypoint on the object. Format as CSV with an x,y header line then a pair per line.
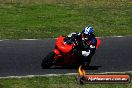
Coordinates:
x,y
23,57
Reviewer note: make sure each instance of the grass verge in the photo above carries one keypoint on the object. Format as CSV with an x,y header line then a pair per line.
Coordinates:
x,y
54,82
20,19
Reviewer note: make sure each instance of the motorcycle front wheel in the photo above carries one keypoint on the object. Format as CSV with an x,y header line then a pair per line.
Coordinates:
x,y
48,61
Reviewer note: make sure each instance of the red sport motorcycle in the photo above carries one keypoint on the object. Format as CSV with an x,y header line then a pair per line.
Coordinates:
x,y
62,54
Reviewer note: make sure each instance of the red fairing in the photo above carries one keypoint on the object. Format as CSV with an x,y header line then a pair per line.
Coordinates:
x,y
62,46
98,43
56,52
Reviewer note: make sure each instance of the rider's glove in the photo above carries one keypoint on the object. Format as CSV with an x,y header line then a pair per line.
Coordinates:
x,y
85,53
70,35
92,46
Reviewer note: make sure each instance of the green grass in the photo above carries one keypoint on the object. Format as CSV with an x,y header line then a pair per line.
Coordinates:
x,y
54,82
39,19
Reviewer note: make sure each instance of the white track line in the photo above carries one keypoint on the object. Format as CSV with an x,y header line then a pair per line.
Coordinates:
x,y
29,39
31,76
49,75
56,38
119,36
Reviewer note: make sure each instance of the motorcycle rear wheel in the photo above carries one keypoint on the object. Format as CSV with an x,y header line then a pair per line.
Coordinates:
x,y
48,61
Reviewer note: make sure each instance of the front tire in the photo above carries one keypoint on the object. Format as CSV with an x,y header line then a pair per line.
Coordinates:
x,y
48,61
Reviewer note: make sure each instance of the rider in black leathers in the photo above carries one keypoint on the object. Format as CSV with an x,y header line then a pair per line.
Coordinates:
x,y
85,43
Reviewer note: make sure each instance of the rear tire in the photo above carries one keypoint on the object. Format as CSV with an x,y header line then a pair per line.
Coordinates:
x,y
48,61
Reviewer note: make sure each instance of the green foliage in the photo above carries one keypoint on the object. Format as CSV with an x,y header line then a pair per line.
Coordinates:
x,y
51,18
53,82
